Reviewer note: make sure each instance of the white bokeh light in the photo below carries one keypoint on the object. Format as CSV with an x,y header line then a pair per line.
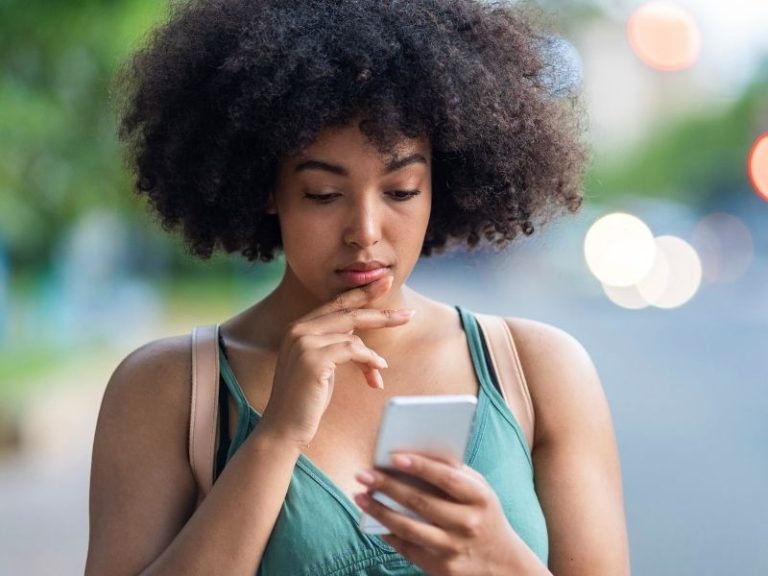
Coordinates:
x,y
619,249
625,296
675,276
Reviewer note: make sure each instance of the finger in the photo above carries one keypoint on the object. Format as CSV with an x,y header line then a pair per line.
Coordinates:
x,y
416,554
347,321
374,378
415,531
370,366
423,500
353,351
354,298
323,340
459,481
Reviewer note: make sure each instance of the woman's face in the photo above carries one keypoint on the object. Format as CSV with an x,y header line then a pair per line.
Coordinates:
x,y
375,208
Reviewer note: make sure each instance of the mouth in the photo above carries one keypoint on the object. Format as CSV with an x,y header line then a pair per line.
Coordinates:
x,y
361,277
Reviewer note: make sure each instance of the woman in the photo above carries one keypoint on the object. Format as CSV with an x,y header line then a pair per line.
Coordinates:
x,y
352,135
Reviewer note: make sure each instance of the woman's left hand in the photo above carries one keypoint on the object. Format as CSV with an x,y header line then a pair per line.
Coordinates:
x,y
468,534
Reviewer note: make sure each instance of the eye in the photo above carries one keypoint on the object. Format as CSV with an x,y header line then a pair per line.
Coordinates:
x,y
398,195
320,198
403,195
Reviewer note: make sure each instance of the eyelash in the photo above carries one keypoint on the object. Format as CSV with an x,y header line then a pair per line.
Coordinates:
x,y
327,198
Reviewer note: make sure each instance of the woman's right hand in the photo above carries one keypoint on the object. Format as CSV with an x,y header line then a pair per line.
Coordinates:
x,y
310,351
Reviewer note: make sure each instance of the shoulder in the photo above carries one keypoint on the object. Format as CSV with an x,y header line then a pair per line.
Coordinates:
x,y
152,374
148,396
561,376
171,354
142,488
150,391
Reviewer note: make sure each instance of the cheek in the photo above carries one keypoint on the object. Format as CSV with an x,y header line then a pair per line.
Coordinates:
x,y
416,223
310,247
304,231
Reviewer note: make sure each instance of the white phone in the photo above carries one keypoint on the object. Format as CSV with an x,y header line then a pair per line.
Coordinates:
x,y
439,425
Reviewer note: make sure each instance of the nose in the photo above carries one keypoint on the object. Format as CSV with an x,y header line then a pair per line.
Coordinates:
x,y
364,224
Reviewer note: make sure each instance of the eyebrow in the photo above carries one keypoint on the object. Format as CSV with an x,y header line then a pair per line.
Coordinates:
x,y
395,164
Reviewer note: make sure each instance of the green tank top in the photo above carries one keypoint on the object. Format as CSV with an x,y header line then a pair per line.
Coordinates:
x,y
316,532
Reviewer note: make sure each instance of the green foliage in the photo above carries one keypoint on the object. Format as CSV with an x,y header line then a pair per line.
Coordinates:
x,y
59,155
693,159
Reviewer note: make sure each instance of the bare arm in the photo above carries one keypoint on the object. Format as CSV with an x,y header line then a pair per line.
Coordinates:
x,y
142,494
575,455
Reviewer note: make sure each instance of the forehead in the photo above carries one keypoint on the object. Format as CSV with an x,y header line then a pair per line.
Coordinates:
x,y
349,145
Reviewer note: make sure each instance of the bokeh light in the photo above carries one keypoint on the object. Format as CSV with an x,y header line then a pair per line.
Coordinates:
x,y
725,245
675,276
664,36
758,166
619,249
625,296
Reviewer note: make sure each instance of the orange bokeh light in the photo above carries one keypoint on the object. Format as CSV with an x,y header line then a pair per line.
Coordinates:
x,y
664,36
757,166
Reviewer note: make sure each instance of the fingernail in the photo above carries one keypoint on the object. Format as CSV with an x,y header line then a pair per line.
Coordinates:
x,y
362,500
384,362
379,380
364,478
401,461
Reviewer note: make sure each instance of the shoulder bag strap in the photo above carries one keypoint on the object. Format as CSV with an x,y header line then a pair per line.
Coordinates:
x,y
204,408
509,371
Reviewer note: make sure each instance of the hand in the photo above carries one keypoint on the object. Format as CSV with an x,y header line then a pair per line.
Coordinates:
x,y
313,347
468,531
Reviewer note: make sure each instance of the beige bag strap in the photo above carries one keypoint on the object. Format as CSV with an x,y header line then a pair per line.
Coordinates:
x,y
509,371
204,408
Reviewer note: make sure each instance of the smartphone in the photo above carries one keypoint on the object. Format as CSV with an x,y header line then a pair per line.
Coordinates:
x,y
439,425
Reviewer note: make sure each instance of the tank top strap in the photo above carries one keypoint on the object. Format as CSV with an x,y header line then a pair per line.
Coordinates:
x,y
246,415
474,339
488,381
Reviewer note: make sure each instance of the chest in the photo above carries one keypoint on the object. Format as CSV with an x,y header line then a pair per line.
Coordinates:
x,y
346,438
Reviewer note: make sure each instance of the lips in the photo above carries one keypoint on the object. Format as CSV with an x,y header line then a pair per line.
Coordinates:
x,y
359,278
364,266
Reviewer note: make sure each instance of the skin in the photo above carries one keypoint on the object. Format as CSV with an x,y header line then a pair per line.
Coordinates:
x,y
273,348
364,222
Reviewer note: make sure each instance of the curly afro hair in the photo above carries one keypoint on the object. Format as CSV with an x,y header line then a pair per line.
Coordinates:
x,y
224,88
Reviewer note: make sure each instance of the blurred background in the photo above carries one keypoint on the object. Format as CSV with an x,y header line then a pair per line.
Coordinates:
x,y
663,276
